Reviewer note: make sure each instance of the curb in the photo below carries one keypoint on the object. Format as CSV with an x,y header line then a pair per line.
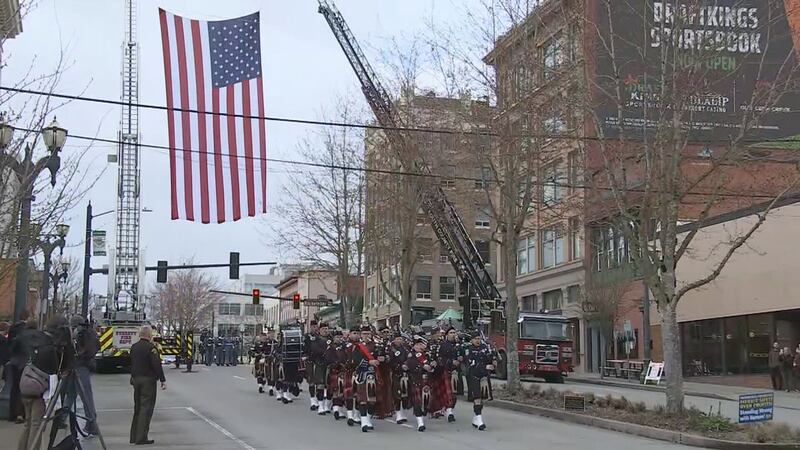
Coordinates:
x,y
644,387
675,437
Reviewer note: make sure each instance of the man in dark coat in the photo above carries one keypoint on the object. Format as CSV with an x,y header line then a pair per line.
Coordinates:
x,y
146,371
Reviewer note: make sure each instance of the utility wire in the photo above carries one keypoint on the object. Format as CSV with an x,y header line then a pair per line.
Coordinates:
x,y
413,174
450,131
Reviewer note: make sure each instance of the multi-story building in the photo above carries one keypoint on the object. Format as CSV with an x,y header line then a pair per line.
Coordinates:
x,y
539,72
398,227
236,314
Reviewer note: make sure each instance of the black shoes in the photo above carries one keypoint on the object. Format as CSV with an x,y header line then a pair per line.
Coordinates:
x,y
147,442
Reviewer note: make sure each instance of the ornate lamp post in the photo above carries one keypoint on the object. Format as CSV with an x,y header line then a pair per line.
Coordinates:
x,y
48,244
59,277
26,172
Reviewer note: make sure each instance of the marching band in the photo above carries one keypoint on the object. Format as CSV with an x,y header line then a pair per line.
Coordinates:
x,y
360,375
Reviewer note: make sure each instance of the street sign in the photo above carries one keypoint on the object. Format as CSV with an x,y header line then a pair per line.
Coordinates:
x,y
756,407
317,302
574,402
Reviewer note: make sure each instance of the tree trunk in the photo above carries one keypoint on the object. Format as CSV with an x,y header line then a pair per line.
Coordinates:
x,y
670,333
405,305
513,383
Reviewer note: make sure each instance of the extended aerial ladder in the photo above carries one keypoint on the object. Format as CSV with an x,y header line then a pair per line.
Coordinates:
x,y
446,223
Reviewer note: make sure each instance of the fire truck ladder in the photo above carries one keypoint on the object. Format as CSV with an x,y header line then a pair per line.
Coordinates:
x,y
126,278
445,220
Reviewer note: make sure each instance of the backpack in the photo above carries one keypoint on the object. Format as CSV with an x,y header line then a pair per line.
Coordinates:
x,y
34,381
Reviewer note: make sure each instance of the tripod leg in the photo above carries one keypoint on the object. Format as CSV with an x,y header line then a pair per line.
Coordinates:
x,y
51,405
82,393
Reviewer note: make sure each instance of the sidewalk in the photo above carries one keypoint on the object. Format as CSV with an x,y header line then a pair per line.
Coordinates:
x,y
702,396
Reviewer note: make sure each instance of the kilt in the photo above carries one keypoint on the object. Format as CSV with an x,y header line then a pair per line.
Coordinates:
x,y
291,372
441,391
474,389
272,367
259,370
397,385
383,404
316,374
417,387
333,383
348,384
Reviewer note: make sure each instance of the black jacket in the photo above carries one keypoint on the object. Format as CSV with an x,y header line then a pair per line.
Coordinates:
x,y
145,361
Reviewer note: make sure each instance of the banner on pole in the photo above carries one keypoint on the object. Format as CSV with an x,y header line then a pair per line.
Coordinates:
x,y
99,242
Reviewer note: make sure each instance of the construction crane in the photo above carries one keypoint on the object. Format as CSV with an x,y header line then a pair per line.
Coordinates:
x,y
126,277
446,223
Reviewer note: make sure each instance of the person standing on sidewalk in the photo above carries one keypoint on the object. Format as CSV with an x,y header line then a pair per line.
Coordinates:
x,y
796,368
146,370
787,359
775,356
87,345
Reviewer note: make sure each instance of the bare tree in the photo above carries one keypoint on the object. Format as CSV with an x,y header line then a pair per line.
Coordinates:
x,y
685,130
323,217
603,306
185,302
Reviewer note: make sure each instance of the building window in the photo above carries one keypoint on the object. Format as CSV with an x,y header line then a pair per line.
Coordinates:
x,y
227,329
611,249
573,293
553,187
425,249
482,219
250,329
528,303
371,297
522,256
448,180
551,300
552,247
554,123
553,56
423,288
253,310
575,239
598,242
230,309
523,81
484,250
443,257
484,175
421,217
447,288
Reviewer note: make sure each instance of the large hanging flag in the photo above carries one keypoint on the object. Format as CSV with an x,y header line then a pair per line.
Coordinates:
x,y
218,145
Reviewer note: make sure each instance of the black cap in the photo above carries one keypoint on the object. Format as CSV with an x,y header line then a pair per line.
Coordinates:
x,y
323,324
474,334
365,328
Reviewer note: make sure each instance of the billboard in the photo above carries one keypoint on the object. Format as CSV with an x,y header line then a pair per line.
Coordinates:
x,y
725,63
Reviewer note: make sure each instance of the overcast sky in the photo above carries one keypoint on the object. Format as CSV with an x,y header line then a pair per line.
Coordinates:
x,y
304,72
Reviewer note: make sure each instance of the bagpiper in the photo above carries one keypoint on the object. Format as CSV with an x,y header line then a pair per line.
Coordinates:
x,y
366,378
256,352
349,394
450,362
308,338
419,365
335,357
291,354
317,345
271,360
480,361
397,353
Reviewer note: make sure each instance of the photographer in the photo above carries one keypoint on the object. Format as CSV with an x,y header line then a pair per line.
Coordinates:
x,y
86,346
49,352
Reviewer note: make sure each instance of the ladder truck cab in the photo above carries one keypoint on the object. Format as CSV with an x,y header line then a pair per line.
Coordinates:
x,y
116,338
545,345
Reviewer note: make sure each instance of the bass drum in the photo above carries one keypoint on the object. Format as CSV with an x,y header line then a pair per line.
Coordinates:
x,y
292,345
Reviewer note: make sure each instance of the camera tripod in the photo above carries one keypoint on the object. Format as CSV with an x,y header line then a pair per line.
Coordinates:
x,y
51,415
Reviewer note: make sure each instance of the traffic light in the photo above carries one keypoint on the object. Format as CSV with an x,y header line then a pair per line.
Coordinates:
x,y
296,301
233,266
256,296
161,272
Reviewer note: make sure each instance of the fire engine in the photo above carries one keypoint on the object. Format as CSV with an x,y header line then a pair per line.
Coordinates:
x,y
116,340
545,345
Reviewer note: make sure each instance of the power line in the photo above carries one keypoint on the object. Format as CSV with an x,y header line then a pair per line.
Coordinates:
x,y
449,131
414,174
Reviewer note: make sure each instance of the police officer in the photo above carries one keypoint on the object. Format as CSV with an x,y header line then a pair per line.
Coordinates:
x,y
146,370
220,350
208,343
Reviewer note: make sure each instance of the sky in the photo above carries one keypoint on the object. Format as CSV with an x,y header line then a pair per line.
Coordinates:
x,y
305,72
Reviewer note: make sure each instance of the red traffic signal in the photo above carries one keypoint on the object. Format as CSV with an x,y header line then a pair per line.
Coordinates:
x,y
256,296
296,301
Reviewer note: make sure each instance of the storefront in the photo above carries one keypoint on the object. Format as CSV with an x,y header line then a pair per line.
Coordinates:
x,y
736,345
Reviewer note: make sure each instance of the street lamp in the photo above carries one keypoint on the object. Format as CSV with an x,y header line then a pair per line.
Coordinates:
x,y
26,172
6,133
48,244
59,277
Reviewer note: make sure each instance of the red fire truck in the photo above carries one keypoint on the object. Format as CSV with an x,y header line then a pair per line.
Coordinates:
x,y
545,345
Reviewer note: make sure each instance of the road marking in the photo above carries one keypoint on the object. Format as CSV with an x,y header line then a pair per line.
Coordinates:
x,y
222,430
239,378
131,410
402,424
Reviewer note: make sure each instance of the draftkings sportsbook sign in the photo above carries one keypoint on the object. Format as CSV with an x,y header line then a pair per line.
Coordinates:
x,y
724,60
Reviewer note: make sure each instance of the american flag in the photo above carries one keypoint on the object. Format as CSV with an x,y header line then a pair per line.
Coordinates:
x,y
217,156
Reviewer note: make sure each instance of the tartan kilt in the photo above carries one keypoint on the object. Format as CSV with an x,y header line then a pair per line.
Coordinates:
x,y
441,391
273,366
474,389
348,384
417,386
333,382
316,374
396,386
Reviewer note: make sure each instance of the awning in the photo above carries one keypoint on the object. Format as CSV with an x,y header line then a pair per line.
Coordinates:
x,y
450,314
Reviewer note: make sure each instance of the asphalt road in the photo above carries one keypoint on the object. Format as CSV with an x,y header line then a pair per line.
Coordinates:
x,y
219,408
